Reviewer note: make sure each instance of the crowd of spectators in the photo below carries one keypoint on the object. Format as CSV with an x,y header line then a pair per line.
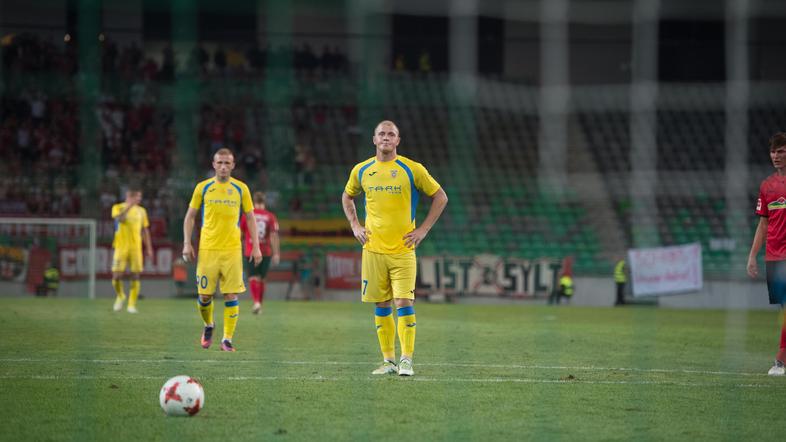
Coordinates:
x,y
41,132
255,59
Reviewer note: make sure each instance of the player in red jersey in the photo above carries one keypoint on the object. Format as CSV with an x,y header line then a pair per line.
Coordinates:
x,y
267,226
771,208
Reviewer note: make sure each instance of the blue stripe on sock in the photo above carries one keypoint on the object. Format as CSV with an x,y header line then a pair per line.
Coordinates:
x,y
383,311
406,311
204,304
231,303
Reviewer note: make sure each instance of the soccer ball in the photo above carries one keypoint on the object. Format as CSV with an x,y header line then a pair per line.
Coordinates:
x,y
182,396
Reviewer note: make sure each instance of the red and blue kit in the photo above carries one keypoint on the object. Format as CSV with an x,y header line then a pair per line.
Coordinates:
x,y
772,204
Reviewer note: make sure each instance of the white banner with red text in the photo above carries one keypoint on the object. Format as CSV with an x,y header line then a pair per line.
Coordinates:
x,y
666,270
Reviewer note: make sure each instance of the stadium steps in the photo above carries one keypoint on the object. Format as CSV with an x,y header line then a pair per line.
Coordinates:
x,y
591,190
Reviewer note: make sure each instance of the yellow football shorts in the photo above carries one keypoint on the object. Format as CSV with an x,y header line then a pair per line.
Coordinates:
x,y
126,258
384,277
224,267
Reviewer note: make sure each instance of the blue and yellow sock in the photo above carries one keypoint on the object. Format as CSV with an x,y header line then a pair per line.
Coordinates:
x,y
386,332
206,310
133,292
231,312
406,330
117,284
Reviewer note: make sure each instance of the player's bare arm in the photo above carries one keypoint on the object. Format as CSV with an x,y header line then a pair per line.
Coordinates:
x,y
352,216
188,229
274,242
251,224
438,202
758,241
148,242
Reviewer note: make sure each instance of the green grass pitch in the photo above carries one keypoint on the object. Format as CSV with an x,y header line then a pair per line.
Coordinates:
x,y
71,369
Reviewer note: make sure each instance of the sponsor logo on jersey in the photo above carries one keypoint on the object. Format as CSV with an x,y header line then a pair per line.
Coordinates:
x,y
780,203
225,202
393,190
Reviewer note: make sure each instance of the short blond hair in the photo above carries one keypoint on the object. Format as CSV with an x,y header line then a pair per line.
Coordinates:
x,y
387,122
224,151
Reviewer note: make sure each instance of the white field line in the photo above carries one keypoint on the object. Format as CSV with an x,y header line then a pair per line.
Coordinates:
x,y
425,364
382,378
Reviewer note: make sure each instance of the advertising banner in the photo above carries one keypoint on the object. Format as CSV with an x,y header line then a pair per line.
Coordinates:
x,y
74,262
483,275
342,270
663,270
13,263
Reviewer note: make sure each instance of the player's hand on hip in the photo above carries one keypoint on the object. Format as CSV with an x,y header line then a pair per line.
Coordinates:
x,y
414,238
753,268
188,252
360,233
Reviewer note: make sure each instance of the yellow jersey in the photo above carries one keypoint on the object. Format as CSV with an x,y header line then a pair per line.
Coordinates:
x,y
392,189
221,205
128,233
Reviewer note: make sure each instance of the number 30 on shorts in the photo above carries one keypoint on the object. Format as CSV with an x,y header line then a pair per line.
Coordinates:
x,y
202,281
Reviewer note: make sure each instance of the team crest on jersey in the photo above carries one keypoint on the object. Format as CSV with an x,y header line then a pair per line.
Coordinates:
x,y
229,191
780,203
393,172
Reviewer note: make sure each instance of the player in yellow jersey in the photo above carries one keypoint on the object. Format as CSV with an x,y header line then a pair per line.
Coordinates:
x,y
222,200
391,184
131,228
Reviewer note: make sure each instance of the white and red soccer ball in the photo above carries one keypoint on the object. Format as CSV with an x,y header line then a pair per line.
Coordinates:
x,y
182,396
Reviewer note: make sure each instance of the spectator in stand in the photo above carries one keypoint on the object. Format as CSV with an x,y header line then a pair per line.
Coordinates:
x,y
200,58
167,72
237,133
305,165
424,62
217,134
252,55
220,60
236,61
400,64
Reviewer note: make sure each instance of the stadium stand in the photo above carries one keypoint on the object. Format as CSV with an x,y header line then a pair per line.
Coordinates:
x,y
298,138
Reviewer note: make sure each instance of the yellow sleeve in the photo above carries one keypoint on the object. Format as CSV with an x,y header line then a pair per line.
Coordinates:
x,y
145,221
246,202
424,181
353,184
116,209
196,198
